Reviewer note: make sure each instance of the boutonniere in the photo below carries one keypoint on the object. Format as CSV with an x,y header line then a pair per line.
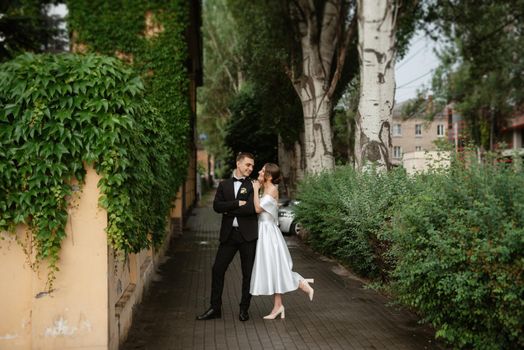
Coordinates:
x,y
243,190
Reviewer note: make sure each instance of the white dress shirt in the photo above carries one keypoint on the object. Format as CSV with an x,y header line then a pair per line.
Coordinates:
x,y
236,185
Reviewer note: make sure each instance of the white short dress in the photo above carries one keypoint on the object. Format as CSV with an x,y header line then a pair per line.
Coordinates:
x,y
272,270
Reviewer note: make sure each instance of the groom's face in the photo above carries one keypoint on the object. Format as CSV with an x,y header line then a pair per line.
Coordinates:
x,y
245,166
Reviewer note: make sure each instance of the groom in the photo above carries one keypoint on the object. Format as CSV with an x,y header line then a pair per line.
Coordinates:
x,y
238,232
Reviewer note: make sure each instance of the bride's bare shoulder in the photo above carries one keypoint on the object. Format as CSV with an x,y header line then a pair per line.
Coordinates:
x,y
273,192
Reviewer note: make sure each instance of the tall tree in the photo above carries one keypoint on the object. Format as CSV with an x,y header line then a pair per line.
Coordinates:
x,y
223,76
308,42
377,53
482,62
314,43
247,130
324,30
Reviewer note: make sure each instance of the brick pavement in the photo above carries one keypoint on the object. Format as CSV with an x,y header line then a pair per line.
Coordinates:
x,y
343,315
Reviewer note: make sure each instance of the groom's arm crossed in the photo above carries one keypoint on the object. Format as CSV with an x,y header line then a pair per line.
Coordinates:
x,y
247,209
221,205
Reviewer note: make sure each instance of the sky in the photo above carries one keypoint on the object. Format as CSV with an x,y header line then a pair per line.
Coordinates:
x,y
59,9
415,69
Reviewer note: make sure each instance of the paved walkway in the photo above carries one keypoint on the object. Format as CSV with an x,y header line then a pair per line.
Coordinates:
x,y
342,315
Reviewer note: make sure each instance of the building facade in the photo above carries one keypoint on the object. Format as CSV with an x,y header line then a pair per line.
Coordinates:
x,y
513,136
416,134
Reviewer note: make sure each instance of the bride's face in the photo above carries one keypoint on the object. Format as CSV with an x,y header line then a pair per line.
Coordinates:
x,y
261,175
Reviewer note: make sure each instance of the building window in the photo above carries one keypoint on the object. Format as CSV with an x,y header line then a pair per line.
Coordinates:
x,y
418,129
418,148
397,152
440,130
397,130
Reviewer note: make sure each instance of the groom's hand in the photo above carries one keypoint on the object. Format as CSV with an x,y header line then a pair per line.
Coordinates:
x,y
241,203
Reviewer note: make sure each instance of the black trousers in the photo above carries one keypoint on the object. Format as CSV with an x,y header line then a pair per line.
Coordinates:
x,y
225,254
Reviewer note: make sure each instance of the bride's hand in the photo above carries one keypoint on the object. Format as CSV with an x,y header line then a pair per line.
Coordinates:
x,y
241,203
256,186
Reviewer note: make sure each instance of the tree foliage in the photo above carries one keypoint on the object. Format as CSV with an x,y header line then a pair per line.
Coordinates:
x,y
263,63
344,125
223,76
231,63
482,62
247,131
25,25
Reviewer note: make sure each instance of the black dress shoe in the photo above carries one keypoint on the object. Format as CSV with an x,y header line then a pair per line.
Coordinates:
x,y
243,315
210,314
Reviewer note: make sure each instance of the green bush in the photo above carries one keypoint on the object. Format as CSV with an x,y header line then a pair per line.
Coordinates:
x,y
450,241
459,244
58,112
347,213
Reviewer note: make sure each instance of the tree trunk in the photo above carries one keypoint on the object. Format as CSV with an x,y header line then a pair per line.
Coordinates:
x,y
322,31
376,36
318,141
292,166
312,89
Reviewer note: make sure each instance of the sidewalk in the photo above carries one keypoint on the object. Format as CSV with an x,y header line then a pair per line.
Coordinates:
x,y
342,315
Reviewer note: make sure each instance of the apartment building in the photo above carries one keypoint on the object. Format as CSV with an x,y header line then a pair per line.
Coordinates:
x,y
513,136
416,133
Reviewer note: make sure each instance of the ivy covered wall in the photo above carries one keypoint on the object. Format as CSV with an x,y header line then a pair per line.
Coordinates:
x,y
129,117
60,112
151,37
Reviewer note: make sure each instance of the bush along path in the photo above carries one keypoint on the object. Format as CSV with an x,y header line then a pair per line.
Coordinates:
x,y
449,243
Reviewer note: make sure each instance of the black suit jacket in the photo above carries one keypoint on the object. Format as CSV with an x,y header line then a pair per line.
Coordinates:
x,y
226,204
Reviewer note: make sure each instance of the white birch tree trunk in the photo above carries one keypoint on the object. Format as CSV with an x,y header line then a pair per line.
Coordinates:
x,y
376,46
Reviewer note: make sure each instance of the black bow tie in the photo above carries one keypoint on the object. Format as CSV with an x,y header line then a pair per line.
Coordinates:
x,y
235,179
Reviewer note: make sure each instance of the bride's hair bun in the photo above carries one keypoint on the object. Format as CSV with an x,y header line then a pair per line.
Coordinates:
x,y
271,169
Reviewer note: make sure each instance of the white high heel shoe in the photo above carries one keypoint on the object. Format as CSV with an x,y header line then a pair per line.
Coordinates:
x,y
281,311
310,291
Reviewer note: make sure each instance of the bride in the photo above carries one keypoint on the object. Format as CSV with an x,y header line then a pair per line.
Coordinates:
x,y
272,270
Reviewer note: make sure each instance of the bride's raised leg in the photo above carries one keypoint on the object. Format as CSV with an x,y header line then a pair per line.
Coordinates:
x,y
306,288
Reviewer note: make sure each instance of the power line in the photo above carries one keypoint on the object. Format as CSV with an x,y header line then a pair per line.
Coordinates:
x,y
417,78
410,86
423,48
422,37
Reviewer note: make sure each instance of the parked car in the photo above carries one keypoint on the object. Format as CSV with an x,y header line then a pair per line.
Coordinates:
x,y
286,217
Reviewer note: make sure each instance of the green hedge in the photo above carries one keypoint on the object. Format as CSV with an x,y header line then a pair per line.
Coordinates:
x,y
459,247
451,243
347,213
58,112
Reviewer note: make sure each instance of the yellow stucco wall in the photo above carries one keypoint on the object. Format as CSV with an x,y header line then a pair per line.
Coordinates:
x,y
128,278
75,314
95,290
15,293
